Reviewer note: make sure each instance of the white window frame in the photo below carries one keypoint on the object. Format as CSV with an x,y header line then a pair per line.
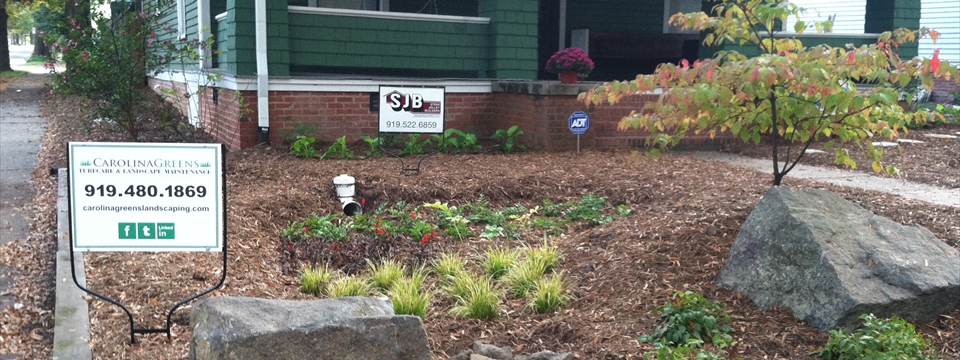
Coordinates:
x,y
182,19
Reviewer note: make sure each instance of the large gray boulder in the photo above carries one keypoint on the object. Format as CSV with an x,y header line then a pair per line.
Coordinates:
x,y
830,260
343,328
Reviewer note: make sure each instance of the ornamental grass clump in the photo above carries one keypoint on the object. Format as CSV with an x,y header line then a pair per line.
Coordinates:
x,y
478,299
345,285
449,266
385,273
549,294
524,276
570,59
547,255
409,297
496,262
313,279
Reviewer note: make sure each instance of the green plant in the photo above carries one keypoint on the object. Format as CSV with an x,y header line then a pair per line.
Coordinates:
x,y
691,316
409,298
458,286
891,338
317,226
624,210
107,63
313,279
508,139
589,209
477,300
301,129
418,276
492,231
496,262
303,147
791,93
449,266
345,285
547,255
688,351
524,276
413,145
384,274
570,59
339,148
551,226
456,141
374,144
549,294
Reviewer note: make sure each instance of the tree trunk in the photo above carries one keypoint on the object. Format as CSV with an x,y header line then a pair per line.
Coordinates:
x,y
78,10
39,48
4,47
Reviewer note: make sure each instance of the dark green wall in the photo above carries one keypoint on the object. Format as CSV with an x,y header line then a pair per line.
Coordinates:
x,y
356,42
635,16
442,7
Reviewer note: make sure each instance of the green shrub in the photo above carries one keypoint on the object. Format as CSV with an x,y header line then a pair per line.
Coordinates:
x,y
691,316
508,139
315,226
589,209
348,286
549,294
413,145
688,351
313,279
374,144
303,147
456,141
891,338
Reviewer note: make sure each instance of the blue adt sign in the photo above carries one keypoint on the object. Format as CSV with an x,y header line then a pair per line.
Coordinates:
x,y
579,122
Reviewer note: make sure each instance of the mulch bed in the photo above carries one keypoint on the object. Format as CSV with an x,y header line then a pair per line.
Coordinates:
x,y
686,216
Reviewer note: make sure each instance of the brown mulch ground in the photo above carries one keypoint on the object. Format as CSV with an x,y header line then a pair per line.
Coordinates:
x,y
687,214
935,161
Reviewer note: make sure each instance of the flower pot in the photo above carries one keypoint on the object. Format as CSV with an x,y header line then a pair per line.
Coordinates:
x,y
568,77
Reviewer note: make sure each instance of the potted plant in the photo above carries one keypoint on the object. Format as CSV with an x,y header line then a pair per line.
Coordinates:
x,y
570,63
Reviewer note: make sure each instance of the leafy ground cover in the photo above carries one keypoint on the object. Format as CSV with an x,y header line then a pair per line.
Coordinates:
x,y
684,216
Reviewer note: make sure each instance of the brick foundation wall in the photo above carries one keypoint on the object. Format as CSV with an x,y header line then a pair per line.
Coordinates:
x,y
941,92
540,109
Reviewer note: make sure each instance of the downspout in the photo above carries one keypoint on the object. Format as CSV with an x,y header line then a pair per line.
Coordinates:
x,y
263,82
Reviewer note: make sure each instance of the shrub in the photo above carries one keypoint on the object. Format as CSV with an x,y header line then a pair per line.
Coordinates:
x,y
589,209
338,149
385,274
373,143
688,351
317,226
891,338
348,286
313,279
496,262
691,316
549,294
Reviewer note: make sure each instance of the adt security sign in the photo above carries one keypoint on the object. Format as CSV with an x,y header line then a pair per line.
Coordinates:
x,y
579,122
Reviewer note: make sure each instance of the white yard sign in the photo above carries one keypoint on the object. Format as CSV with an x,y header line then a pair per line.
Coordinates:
x,y
411,109
146,197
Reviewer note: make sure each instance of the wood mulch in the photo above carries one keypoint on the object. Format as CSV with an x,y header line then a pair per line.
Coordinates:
x,y
686,216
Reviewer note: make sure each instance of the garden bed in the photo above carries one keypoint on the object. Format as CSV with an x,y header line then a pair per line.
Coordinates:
x,y
685,215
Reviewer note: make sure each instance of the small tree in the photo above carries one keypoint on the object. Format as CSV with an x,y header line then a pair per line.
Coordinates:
x,y
109,64
792,93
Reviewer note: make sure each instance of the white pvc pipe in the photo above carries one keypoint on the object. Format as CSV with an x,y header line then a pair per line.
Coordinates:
x,y
263,82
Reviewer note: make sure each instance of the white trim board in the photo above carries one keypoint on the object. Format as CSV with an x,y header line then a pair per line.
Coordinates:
x,y
249,83
388,15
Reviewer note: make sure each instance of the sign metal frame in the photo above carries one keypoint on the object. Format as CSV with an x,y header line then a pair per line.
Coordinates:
x,y
221,192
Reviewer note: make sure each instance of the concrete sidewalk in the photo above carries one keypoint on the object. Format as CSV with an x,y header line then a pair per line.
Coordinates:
x,y
909,190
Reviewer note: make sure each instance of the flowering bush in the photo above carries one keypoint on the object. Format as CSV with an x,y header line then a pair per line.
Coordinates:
x,y
570,59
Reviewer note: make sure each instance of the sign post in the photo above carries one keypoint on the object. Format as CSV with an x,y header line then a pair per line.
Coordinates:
x,y
412,110
578,123
147,197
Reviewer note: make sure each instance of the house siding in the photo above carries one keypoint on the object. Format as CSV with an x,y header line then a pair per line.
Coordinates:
x,y
637,17
350,41
849,14
942,16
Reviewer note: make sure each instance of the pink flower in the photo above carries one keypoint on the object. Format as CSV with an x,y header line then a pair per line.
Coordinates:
x,y
85,56
153,34
143,15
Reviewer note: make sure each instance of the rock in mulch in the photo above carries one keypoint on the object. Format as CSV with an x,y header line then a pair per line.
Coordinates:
x,y
829,260
483,351
343,328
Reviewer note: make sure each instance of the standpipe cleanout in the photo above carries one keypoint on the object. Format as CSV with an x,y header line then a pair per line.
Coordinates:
x,y
346,190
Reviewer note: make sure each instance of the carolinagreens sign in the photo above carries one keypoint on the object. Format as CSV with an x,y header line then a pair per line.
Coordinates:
x,y
146,197
578,122
411,109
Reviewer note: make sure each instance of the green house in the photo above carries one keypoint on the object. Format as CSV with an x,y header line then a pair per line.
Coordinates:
x,y
321,62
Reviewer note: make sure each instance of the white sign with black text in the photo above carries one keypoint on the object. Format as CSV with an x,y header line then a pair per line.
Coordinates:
x,y
146,196
412,109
